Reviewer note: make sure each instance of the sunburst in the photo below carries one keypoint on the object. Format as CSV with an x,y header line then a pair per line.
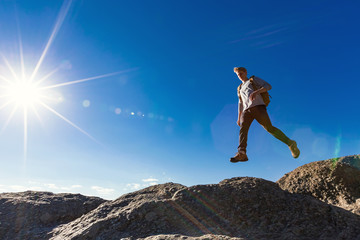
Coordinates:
x,y
28,93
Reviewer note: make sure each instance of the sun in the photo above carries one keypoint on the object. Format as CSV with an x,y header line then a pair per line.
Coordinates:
x,y
24,93
29,94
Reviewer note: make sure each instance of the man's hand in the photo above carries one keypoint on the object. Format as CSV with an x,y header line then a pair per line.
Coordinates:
x,y
238,122
253,95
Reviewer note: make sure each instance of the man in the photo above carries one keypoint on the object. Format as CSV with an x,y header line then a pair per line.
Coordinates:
x,y
252,106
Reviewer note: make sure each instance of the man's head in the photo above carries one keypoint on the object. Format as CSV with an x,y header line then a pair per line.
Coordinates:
x,y
241,72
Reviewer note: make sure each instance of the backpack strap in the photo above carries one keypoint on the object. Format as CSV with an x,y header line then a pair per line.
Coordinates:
x,y
253,83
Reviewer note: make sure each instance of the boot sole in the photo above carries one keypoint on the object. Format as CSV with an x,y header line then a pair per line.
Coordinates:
x,y
234,160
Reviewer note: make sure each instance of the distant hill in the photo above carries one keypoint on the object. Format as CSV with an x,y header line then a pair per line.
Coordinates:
x,y
319,200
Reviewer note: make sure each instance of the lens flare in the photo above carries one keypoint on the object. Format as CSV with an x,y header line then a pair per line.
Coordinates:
x,y
338,145
27,93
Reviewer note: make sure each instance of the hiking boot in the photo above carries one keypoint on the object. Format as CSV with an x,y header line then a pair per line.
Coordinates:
x,y
239,157
294,149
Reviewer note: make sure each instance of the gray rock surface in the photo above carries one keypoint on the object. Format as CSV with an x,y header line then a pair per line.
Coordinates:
x,y
319,200
334,181
182,237
31,215
120,218
246,208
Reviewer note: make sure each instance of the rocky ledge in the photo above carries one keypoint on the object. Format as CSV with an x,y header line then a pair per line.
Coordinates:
x,y
319,200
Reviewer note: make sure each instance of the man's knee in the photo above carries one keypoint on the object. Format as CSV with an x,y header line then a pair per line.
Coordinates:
x,y
269,128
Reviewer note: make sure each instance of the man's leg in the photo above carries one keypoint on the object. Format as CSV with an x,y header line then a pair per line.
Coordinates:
x,y
246,119
262,117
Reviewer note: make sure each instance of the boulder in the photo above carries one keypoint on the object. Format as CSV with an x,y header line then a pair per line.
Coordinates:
x,y
31,215
333,181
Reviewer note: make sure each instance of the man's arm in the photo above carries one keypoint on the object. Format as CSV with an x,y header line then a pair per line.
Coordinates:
x,y
253,94
265,86
240,108
262,83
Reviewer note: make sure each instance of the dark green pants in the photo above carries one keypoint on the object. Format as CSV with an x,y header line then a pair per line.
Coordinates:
x,y
260,114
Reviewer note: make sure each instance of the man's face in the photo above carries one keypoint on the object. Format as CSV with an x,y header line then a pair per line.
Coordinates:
x,y
242,75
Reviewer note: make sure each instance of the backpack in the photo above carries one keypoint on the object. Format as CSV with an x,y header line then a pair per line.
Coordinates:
x,y
265,95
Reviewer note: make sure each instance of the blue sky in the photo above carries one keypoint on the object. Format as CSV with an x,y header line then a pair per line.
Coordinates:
x,y
168,113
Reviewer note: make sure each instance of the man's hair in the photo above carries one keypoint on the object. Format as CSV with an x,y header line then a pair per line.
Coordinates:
x,y
240,69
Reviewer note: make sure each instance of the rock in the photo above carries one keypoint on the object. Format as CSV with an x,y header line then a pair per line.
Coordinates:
x,y
320,200
334,181
118,216
31,215
182,237
238,208
353,160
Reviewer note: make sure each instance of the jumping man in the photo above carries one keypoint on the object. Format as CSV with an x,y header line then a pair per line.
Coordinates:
x,y
252,106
